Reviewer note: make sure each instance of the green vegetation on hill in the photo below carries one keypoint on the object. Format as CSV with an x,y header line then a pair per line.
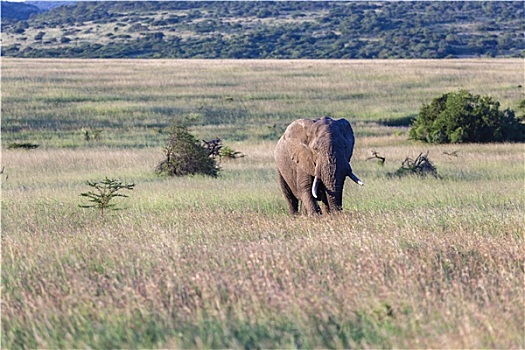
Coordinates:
x,y
16,11
194,29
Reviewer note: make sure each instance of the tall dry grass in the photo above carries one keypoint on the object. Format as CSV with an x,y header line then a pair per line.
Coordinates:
x,y
215,263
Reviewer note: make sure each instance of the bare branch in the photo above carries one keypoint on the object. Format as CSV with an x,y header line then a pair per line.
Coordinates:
x,y
452,154
375,155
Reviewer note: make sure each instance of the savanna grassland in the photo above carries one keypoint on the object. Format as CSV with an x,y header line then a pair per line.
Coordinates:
x,y
199,262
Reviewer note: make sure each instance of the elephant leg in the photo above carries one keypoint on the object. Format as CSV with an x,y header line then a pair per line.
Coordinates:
x,y
310,204
293,202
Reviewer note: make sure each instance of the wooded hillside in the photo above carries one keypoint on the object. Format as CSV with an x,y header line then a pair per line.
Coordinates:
x,y
252,29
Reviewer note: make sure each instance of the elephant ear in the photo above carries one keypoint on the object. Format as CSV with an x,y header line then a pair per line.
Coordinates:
x,y
345,128
296,139
348,134
303,156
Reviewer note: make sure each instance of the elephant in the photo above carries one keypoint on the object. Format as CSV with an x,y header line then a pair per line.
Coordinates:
x,y
313,161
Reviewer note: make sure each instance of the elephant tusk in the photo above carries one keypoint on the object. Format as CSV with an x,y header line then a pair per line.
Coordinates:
x,y
314,187
356,179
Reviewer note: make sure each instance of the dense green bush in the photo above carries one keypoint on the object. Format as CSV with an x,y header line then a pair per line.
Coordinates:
x,y
186,156
459,117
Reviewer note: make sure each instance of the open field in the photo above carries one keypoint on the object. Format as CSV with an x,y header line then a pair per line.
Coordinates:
x,y
51,101
213,263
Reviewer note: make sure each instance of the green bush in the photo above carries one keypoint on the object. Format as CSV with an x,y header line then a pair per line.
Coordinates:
x,y
459,117
229,153
186,156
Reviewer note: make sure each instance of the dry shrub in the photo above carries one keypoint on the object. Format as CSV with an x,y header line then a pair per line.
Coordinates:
x,y
421,166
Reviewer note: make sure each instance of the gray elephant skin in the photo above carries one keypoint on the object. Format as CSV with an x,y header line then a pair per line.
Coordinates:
x,y
313,161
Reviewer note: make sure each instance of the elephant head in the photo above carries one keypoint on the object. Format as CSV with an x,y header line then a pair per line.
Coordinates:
x,y
313,160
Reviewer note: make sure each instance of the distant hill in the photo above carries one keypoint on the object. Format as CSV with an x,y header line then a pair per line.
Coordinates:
x,y
48,5
17,10
282,29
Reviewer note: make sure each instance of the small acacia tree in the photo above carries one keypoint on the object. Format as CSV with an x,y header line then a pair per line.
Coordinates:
x,y
459,117
185,155
104,192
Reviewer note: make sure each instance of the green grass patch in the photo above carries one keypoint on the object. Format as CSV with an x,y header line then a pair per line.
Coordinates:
x,y
231,93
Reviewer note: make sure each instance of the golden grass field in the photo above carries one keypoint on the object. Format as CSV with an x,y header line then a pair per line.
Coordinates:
x,y
200,262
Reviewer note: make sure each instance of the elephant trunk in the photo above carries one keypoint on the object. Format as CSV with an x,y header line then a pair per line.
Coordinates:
x,y
333,179
334,184
334,196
